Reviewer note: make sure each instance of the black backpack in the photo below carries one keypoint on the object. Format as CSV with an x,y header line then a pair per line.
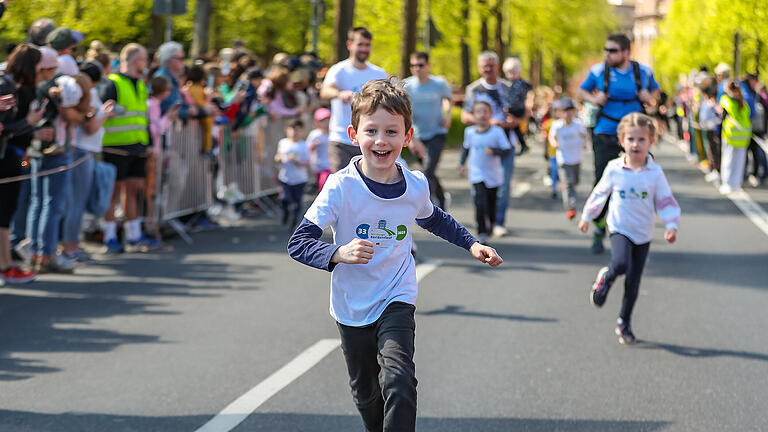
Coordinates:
x,y
638,85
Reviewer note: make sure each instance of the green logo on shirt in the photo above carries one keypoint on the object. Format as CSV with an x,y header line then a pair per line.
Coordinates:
x,y
381,231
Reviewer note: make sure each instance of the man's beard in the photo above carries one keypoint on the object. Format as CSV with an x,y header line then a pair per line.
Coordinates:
x,y
361,57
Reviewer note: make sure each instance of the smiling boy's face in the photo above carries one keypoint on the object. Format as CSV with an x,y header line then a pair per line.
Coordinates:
x,y
381,137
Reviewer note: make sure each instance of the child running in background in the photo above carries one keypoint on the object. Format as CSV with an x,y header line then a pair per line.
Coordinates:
x,y
293,157
371,205
317,141
568,136
485,145
637,188
194,92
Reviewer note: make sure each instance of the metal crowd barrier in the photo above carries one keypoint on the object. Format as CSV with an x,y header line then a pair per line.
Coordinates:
x,y
188,179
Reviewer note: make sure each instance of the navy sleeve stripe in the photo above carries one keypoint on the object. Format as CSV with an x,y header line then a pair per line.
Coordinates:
x,y
446,227
306,247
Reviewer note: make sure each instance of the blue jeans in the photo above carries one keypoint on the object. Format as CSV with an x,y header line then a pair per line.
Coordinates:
x,y
19,223
81,178
502,196
48,203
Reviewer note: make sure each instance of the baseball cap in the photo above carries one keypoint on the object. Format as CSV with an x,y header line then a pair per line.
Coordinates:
x,y
563,104
322,114
49,58
64,37
722,68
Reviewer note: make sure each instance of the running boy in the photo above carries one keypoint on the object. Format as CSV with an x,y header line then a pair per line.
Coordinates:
x,y
568,136
485,145
293,156
371,205
636,186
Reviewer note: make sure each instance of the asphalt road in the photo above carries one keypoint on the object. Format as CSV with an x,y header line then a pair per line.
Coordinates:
x,y
165,341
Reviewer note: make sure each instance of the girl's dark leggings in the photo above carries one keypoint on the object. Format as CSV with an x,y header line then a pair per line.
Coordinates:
x,y
627,259
485,207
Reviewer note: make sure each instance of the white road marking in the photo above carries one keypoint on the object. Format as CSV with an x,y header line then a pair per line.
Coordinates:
x,y
751,209
425,268
743,201
42,294
245,405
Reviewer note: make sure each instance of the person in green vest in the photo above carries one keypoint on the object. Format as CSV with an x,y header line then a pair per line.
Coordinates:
x,y
126,146
736,134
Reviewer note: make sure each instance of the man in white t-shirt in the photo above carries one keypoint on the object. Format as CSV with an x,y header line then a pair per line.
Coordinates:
x,y
344,79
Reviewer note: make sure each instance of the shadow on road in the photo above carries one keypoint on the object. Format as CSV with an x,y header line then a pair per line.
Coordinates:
x,y
22,421
685,351
459,310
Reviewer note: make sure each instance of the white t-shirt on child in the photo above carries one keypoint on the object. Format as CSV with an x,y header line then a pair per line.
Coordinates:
x,y
344,76
318,155
570,140
293,173
91,142
483,167
361,292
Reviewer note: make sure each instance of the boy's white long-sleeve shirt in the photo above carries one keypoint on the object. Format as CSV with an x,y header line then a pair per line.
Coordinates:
x,y
634,198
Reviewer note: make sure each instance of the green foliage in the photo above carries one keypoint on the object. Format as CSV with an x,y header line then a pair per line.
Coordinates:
x,y
569,30
696,33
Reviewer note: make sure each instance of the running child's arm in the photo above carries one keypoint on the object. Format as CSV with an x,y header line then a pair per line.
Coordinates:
x,y
445,226
306,247
501,146
667,208
597,200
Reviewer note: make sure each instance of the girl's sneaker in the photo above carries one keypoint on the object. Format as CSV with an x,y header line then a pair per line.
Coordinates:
x,y
624,332
570,213
599,291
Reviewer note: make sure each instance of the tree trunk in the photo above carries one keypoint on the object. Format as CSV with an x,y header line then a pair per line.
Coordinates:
x,y
345,14
536,67
483,25
498,42
465,77
200,37
408,43
158,28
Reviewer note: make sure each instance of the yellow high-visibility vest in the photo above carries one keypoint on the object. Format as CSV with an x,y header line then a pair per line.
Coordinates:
x,y
130,127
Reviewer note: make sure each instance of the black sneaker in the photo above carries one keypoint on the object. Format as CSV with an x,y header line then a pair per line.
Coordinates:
x,y
599,291
624,332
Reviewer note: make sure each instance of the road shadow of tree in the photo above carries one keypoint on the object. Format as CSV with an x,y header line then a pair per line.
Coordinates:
x,y
693,352
25,421
459,310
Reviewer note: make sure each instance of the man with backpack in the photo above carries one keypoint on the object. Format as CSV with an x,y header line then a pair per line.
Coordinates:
x,y
619,86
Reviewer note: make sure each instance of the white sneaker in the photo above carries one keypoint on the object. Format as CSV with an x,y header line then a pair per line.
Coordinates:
x,y
712,176
753,181
24,250
725,189
499,231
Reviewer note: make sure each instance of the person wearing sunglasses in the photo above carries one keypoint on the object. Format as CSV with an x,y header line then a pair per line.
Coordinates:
x,y
431,99
619,86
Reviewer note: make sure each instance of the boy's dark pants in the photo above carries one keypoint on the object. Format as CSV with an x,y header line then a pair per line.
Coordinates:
x,y
382,374
291,200
485,207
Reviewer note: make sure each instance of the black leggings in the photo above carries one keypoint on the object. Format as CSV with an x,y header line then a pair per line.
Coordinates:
x,y
485,207
627,258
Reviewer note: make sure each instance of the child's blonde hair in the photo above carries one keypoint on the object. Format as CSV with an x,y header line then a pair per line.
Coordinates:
x,y
637,119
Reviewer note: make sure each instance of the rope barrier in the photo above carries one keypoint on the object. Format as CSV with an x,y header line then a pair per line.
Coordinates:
x,y
46,172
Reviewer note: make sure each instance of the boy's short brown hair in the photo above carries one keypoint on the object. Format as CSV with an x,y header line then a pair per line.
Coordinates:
x,y
382,93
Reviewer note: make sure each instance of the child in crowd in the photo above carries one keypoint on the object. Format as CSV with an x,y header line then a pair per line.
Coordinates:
x,y
485,145
318,147
370,206
160,90
568,136
293,157
636,187
194,93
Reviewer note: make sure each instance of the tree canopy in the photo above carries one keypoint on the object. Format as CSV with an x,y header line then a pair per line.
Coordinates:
x,y
696,33
545,34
